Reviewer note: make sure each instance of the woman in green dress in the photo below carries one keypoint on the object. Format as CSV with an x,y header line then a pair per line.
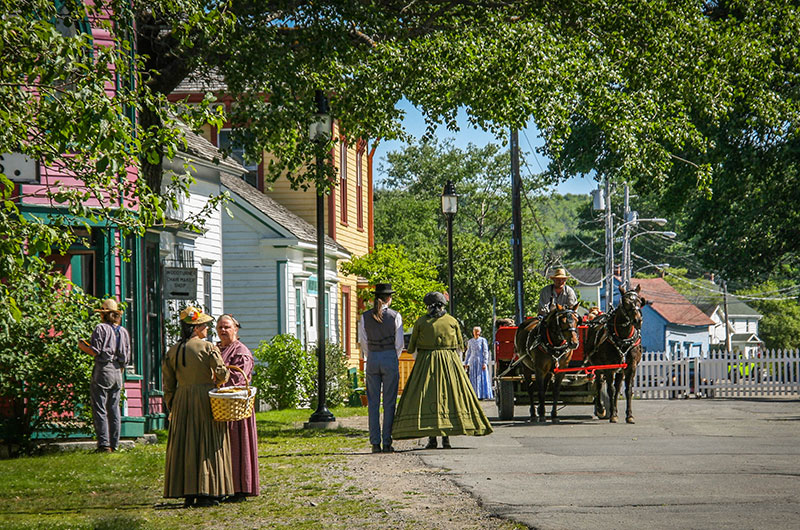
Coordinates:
x,y
438,399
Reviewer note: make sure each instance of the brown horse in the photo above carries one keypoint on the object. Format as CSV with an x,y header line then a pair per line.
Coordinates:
x,y
544,345
616,339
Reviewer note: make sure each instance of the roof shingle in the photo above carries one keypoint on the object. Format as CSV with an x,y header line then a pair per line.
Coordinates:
x,y
298,226
670,304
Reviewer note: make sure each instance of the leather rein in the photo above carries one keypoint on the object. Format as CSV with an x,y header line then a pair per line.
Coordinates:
x,y
544,340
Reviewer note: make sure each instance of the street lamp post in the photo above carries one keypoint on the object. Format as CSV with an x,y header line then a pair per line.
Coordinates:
x,y
320,132
626,258
631,219
449,209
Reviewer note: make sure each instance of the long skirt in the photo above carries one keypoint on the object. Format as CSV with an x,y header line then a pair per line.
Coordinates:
x,y
438,400
244,455
481,381
198,448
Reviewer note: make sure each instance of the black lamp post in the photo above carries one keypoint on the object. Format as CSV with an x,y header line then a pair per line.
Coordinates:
x,y
449,209
320,132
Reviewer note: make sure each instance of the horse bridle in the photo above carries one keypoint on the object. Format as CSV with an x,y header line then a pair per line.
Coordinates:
x,y
624,345
556,351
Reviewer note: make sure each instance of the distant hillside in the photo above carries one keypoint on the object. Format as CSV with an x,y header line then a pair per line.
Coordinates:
x,y
558,215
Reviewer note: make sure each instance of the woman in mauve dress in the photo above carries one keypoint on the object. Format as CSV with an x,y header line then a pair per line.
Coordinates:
x,y
244,437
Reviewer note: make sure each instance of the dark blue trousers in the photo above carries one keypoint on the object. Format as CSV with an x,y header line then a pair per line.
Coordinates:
x,y
382,374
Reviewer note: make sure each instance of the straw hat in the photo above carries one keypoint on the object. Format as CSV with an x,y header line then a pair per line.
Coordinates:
x,y
192,315
560,273
109,305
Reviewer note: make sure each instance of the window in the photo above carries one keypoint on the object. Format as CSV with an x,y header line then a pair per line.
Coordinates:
x,y
298,315
224,142
343,180
207,289
359,190
327,315
184,255
346,318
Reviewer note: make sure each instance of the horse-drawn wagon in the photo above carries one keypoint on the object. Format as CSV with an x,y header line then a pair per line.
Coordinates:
x,y
557,348
576,388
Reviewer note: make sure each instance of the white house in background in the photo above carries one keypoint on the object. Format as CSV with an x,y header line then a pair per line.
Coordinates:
x,y
182,248
742,325
590,281
270,268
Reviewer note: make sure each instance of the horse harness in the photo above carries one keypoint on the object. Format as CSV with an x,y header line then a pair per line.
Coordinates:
x,y
623,345
544,341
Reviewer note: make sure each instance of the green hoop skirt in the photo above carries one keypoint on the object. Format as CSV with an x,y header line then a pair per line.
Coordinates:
x,y
438,400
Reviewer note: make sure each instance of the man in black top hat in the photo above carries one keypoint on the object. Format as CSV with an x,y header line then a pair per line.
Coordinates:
x,y
380,334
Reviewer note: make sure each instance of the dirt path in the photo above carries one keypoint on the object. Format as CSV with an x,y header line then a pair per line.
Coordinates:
x,y
415,493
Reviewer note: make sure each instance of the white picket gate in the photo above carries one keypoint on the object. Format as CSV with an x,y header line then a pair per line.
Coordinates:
x,y
772,373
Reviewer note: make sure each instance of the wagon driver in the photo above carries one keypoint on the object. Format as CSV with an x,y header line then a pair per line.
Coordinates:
x,y
557,293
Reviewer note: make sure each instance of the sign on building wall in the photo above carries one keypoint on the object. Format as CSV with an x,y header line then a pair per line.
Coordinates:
x,y
18,167
180,283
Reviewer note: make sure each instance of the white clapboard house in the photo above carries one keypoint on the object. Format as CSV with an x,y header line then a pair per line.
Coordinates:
x,y
200,252
270,268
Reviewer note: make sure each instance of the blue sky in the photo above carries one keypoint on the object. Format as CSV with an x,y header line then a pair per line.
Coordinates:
x,y
528,140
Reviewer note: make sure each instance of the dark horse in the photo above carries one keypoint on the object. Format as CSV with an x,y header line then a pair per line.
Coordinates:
x,y
544,345
616,339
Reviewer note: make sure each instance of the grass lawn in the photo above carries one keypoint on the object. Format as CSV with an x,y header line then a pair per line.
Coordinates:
x,y
123,490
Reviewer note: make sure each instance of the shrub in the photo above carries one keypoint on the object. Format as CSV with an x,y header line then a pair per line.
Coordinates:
x,y
44,377
337,381
284,373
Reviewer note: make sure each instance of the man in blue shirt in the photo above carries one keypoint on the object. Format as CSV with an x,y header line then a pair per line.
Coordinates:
x,y
111,347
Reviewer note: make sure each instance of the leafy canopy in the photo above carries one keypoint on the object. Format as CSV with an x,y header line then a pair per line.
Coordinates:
x,y
411,279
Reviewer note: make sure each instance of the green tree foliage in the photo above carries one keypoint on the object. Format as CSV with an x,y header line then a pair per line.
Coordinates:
x,y
284,373
780,326
337,383
411,279
731,182
408,212
42,371
622,86
57,110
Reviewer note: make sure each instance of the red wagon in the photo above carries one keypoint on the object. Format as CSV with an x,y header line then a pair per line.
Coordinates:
x,y
576,388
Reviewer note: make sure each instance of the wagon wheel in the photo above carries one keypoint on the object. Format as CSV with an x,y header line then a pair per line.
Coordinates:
x,y
505,400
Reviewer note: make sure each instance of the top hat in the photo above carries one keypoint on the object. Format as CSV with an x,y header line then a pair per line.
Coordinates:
x,y
383,288
560,273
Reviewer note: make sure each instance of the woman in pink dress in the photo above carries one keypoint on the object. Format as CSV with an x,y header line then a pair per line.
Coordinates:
x,y
243,434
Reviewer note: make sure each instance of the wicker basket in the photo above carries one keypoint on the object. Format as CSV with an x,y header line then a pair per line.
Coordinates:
x,y
232,403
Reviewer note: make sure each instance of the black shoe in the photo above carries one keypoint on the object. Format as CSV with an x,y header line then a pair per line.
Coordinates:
x,y
188,502
431,443
388,448
239,497
376,448
103,449
205,502
446,442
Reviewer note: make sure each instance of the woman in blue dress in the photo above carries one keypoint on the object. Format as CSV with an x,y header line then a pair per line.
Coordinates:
x,y
477,359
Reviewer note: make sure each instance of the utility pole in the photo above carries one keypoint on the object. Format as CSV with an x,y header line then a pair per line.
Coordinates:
x,y
626,241
609,249
516,228
725,308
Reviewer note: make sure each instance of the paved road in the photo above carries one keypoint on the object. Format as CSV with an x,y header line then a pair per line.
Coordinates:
x,y
684,464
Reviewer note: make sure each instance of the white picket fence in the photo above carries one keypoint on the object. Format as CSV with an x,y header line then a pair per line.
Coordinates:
x,y
772,373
